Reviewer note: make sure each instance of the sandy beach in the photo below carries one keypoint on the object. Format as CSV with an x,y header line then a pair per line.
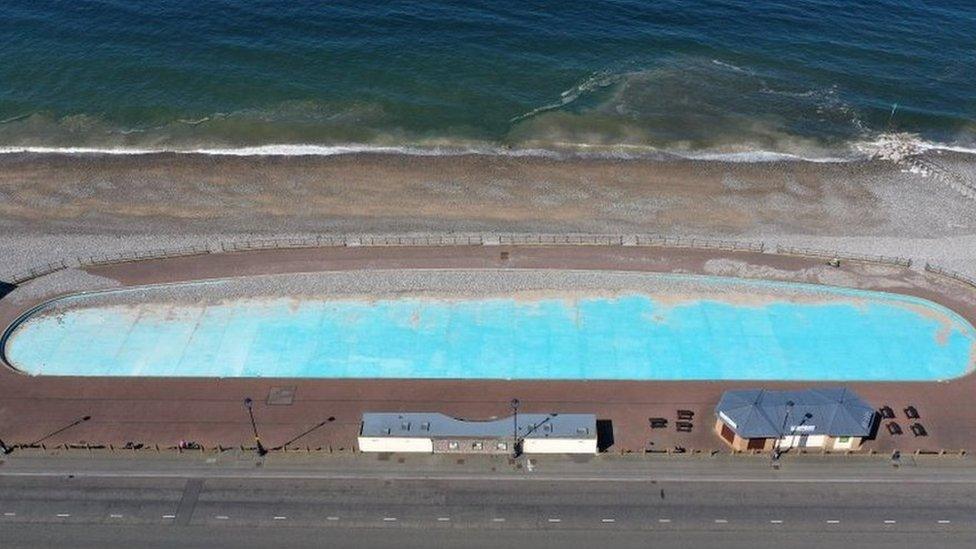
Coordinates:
x,y
58,205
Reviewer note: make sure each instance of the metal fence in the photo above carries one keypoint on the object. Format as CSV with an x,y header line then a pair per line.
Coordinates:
x,y
561,239
105,259
700,243
428,240
36,272
125,257
955,275
513,239
282,243
831,254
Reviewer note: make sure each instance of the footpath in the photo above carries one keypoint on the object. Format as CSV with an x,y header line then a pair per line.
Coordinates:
x,y
603,468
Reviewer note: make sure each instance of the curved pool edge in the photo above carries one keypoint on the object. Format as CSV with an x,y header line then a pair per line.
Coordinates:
x,y
897,296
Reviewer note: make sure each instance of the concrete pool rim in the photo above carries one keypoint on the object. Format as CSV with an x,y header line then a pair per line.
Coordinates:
x,y
961,322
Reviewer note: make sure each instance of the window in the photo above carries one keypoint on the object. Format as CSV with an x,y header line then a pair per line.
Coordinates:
x,y
453,445
501,446
476,445
844,439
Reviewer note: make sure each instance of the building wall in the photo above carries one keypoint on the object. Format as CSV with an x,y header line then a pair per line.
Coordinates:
x,y
739,443
787,442
803,441
852,443
395,444
471,446
559,446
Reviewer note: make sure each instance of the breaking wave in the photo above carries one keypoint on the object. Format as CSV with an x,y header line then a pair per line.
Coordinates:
x,y
893,147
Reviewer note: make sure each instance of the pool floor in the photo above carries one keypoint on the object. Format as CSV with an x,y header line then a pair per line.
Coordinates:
x,y
833,334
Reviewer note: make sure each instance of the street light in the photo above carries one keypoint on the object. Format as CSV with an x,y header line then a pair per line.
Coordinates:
x,y
782,432
248,403
515,436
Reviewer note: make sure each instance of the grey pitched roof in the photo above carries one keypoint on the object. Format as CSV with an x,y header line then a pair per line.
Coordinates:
x,y
758,413
436,425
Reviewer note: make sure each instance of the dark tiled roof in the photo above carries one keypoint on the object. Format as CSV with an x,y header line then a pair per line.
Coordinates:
x,y
758,413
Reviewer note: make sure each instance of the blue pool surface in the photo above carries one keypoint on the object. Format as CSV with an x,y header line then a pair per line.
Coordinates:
x,y
839,335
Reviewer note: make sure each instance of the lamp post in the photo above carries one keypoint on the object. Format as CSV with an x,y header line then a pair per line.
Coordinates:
x,y
515,436
782,432
248,403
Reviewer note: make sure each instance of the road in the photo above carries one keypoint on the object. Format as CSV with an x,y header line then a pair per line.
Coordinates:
x,y
44,504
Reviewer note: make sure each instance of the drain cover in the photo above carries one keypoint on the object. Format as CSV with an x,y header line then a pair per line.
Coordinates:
x,y
281,396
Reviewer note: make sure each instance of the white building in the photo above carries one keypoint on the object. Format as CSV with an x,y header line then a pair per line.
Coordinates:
x,y
440,434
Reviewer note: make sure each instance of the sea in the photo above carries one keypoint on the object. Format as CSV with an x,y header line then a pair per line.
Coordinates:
x,y
748,79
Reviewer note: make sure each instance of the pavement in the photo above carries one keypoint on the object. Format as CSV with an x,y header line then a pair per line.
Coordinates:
x,y
51,411
245,501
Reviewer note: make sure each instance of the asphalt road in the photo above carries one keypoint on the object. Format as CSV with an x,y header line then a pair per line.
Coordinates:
x,y
146,511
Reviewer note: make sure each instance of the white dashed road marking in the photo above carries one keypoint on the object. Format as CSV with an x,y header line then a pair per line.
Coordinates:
x,y
776,522
63,515
608,520
833,522
664,521
10,514
443,519
498,520
331,518
115,516
221,517
889,522
279,517
555,520
389,519
943,521
169,516
721,521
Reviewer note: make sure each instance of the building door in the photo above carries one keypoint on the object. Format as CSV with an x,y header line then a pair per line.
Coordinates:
x,y
727,434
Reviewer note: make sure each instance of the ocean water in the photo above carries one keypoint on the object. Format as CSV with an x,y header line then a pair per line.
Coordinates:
x,y
840,335
817,79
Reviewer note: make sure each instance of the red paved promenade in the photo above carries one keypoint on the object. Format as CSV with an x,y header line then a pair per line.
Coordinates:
x,y
210,411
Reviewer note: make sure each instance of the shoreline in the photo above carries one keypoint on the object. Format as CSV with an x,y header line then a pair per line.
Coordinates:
x,y
54,207
881,145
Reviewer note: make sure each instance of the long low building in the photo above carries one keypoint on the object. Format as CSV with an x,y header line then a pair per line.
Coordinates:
x,y
431,432
757,419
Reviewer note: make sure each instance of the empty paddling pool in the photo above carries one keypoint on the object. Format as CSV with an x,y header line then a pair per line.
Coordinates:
x,y
646,327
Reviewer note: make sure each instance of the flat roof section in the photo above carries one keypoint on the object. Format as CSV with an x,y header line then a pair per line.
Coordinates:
x,y
436,425
758,413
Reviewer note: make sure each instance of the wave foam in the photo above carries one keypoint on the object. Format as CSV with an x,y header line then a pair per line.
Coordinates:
x,y
897,147
892,147
283,150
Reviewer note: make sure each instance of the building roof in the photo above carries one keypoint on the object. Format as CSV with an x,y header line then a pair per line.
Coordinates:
x,y
436,425
758,413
